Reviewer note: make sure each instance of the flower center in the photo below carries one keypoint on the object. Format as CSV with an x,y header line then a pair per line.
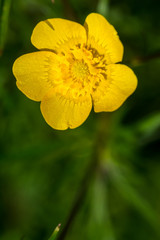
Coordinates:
x,y
79,70
83,69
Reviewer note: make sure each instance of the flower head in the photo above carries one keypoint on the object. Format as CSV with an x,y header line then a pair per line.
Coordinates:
x,y
75,68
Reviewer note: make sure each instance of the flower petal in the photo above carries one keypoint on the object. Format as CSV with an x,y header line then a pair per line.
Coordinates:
x,y
120,84
62,112
57,34
103,37
35,73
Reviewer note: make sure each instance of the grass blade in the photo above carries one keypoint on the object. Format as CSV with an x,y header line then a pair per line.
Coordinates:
x,y
54,234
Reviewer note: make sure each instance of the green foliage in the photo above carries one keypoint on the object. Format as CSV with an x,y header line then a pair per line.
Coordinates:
x,y
101,181
4,22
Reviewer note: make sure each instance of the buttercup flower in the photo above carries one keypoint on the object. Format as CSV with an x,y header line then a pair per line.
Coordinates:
x,y
77,67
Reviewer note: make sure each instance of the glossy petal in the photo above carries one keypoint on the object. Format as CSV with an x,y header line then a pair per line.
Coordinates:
x,y
35,73
57,34
111,93
103,37
62,112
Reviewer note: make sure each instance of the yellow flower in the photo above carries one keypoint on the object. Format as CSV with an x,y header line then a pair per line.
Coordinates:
x,y
75,68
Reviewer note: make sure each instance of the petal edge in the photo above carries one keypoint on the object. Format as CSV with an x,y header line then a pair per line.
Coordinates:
x,y
33,73
57,34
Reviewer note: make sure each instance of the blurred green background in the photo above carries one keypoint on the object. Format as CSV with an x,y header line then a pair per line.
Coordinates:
x,y
101,181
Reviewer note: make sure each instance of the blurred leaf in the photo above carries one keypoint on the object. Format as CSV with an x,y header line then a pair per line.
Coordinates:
x,y
131,195
149,125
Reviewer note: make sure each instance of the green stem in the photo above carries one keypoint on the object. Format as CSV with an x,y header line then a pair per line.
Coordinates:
x,y
4,24
69,11
137,61
94,165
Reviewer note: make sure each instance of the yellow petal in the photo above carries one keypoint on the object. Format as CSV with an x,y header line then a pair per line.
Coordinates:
x,y
35,73
57,34
103,37
121,82
62,112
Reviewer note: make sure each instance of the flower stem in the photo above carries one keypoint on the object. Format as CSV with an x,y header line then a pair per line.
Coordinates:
x,y
98,148
69,12
4,18
139,60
